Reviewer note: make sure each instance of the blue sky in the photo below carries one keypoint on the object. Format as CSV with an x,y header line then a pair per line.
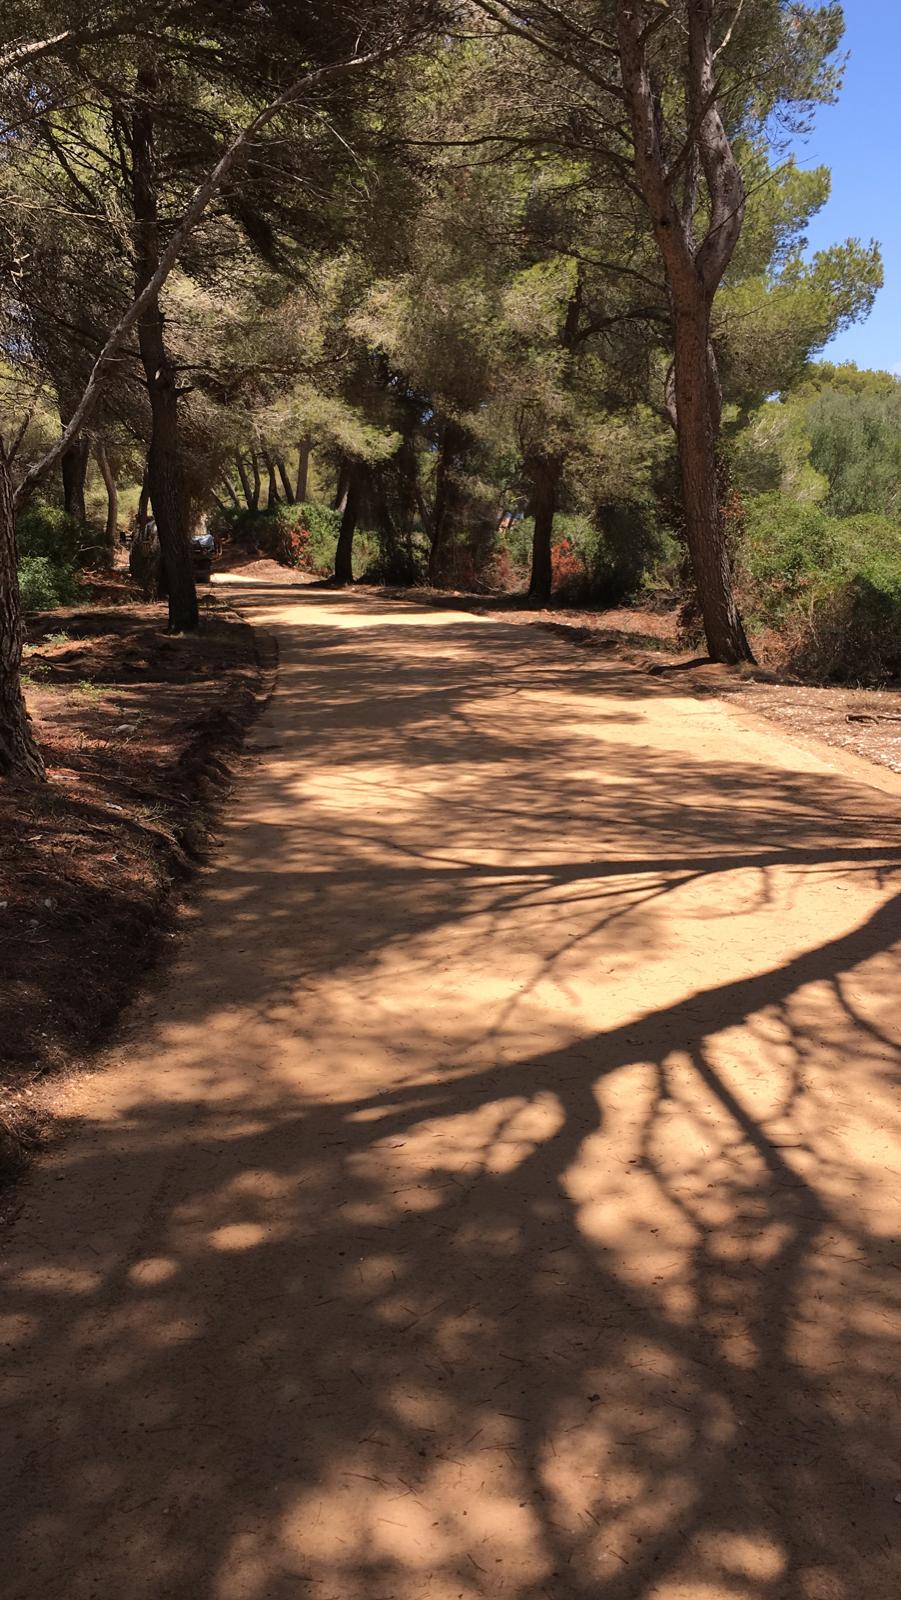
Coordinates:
x,y
859,138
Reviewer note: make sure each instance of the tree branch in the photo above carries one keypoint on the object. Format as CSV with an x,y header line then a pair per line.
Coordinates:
x,y
195,209
729,31
503,14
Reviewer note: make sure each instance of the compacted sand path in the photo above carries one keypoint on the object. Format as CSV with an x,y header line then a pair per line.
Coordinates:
x,y
498,1196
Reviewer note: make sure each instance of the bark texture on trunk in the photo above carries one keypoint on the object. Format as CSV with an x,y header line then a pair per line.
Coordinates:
x,y
245,481
697,424
74,468
544,474
19,754
272,495
286,481
303,470
112,497
344,550
164,466
694,271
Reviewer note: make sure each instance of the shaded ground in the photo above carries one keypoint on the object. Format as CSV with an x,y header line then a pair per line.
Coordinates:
x,y
866,722
134,725
499,1198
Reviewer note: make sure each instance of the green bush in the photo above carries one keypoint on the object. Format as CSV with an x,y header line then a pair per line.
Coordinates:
x,y
518,541
45,530
789,548
603,560
869,541
829,586
855,442
630,545
853,632
323,524
44,584
301,535
404,562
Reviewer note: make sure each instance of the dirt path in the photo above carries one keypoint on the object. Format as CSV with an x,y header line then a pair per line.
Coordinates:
x,y
499,1196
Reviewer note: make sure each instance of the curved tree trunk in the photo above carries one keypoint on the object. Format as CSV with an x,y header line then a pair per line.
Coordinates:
x,y
341,488
112,497
286,481
164,467
245,481
19,755
344,571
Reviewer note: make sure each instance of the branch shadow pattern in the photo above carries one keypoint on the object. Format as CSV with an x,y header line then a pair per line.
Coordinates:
x,y
389,1293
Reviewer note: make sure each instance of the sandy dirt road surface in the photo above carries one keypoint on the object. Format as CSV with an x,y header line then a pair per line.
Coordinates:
x,y
498,1197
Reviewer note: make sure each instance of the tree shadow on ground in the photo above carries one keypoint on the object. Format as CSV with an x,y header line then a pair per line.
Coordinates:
x,y
379,1282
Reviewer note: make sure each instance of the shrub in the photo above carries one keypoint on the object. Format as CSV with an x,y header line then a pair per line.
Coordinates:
x,y
602,560
286,542
501,572
830,586
45,530
852,633
789,548
630,546
403,562
517,541
44,584
323,524
570,574
298,536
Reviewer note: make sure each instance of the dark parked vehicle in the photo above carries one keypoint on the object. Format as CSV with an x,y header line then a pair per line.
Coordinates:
x,y
203,554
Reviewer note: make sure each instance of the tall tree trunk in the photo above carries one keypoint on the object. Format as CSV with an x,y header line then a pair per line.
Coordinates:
x,y
340,501
695,261
19,755
286,481
231,491
452,443
344,570
303,471
164,466
74,468
257,481
112,497
245,481
697,425
544,473
272,495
